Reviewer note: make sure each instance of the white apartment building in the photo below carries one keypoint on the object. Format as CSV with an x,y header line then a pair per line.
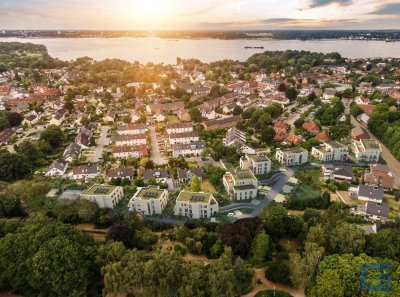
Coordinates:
x,y
241,185
330,151
367,150
292,156
257,163
177,128
196,205
149,201
184,138
138,139
104,196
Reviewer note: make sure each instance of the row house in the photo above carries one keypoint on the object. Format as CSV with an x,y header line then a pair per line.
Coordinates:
x,y
130,151
177,128
132,129
122,173
183,138
165,108
190,149
227,122
130,140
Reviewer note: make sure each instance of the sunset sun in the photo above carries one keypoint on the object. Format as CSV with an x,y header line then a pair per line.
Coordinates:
x,y
150,9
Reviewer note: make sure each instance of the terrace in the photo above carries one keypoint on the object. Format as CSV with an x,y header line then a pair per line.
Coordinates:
x,y
99,190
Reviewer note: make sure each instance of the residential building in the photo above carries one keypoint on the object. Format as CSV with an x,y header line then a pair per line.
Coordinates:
x,y
149,201
183,138
133,151
186,175
73,151
57,168
376,210
359,133
178,128
84,138
85,172
257,163
222,123
58,118
367,193
367,150
187,149
196,205
237,138
330,151
184,115
129,140
132,129
207,112
104,196
160,175
122,173
292,156
379,175
339,173
311,128
241,185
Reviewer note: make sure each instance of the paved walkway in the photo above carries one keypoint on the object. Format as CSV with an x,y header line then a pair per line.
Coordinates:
x,y
155,150
391,161
103,141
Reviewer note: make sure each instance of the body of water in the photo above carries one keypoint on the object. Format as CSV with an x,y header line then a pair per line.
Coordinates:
x,y
158,50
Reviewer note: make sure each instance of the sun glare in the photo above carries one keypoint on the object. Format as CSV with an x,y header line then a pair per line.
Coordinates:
x,y
150,9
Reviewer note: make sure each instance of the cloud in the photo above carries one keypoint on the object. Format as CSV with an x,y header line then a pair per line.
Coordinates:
x,y
387,9
321,3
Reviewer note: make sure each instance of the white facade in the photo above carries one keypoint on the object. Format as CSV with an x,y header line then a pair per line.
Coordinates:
x,y
330,151
183,150
149,201
257,163
122,140
104,196
132,130
196,205
179,128
367,150
241,185
292,156
184,138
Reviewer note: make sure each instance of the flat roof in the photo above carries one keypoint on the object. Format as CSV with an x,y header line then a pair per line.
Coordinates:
x,y
99,190
258,157
149,193
242,175
370,144
194,197
294,150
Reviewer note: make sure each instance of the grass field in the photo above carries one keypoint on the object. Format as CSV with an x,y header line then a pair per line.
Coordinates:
x,y
207,187
172,119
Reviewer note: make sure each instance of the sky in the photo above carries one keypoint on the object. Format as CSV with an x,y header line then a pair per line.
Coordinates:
x,y
198,15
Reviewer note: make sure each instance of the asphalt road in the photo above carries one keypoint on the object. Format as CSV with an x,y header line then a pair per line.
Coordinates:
x,y
103,141
155,150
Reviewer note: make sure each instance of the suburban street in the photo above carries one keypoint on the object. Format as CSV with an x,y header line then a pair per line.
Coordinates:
x,y
103,141
155,150
391,161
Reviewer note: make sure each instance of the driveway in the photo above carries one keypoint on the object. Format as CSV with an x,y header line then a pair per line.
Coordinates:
x,y
155,150
391,161
103,141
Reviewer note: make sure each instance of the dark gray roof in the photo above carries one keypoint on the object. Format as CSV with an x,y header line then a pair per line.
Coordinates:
x,y
73,150
377,209
370,192
59,164
183,173
120,172
159,173
343,171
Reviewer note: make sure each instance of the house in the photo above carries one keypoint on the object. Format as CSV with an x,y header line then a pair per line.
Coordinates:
x,y
132,129
149,201
73,151
58,118
292,156
85,172
110,117
222,123
196,205
165,108
57,168
160,117
311,128
122,173
379,175
177,128
129,140
280,129
330,151
133,151
6,135
241,185
367,108
367,193
376,210
329,93
257,163
188,149
359,133
84,138
361,100
323,136
104,196
183,115
160,175
367,150
293,139
237,138
207,112
339,173
228,108
186,175
183,138
30,120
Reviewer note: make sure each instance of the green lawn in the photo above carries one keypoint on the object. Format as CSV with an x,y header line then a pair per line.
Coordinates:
x,y
310,184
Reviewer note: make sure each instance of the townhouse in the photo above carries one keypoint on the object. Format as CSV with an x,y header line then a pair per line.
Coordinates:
x,y
183,138
379,175
178,128
85,172
160,175
132,129
149,201
227,122
105,196
130,140
188,149
122,173
132,151
196,205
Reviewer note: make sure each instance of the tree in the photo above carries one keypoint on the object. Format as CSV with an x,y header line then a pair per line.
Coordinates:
x,y
237,110
120,232
53,135
291,93
347,238
29,150
384,244
268,135
274,216
278,272
13,166
330,284
260,247
195,185
195,114
4,123
339,131
15,119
